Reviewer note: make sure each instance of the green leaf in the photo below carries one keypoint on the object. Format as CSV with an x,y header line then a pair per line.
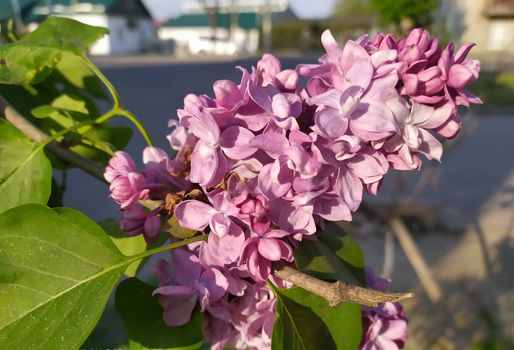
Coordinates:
x,y
127,245
173,227
65,34
143,319
34,57
25,171
343,322
334,256
297,327
43,111
70,102
72,69
57,269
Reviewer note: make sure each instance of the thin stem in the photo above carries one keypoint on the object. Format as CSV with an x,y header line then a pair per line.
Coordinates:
x,y
137,123
62,133
167,247
116,108
107,83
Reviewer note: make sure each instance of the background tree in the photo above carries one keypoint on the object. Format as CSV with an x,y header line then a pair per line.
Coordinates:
x,y
405,13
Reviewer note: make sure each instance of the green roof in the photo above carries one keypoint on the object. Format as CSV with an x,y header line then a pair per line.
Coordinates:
x,y
246,20
6,10
115,7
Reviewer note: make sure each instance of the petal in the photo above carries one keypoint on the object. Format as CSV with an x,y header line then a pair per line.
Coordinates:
x,y
272,143
186,267
214,281
332,208
235,141
359,74
459,76
372,121
350,188
430,146
229,247
331,122
194,215
275,179
153,155
227,93
274,249
178,310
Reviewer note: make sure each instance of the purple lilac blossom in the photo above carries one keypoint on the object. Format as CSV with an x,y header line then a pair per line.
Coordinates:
x,y
262,164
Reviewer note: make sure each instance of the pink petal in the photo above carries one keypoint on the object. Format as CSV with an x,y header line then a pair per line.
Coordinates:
x,y
274,249
193,214
331,122
430,147
214,281
332,208
227,93
372,122
178,310
459,76
273,143
235,141
350,188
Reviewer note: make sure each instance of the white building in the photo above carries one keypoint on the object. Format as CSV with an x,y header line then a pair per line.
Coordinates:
x,y
238,26
131,29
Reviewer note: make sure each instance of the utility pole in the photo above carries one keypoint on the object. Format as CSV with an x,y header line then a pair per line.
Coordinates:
x,y
266,25
17,14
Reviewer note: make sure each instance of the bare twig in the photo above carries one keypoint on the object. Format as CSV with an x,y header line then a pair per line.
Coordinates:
x,y
338,292
32,132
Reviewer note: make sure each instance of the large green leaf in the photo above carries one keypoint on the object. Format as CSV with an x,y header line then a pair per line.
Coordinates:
x,y
25,171
35,56
143,319
333,256
297,327
127,245
57,269
343,322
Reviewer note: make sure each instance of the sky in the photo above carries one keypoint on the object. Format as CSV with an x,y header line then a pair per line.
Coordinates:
x,y
162,9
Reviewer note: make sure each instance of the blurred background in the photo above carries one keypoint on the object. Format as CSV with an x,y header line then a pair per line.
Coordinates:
x,y
446,232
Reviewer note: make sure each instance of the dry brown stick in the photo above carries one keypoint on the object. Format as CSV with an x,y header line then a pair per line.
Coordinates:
x,y
32,132
416,259
338,292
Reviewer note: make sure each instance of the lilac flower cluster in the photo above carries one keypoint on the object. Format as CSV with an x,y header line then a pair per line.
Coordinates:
x,y
266,160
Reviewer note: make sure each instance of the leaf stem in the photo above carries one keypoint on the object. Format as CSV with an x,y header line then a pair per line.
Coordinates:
x,y
137,123
116,108
167,247
105,81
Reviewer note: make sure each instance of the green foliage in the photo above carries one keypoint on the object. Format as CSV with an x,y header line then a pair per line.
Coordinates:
x,y
419,12
143,320
127,245
31,59
57,269
297,327
344,322
65,98
334,256
348,8
495,88
25,171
